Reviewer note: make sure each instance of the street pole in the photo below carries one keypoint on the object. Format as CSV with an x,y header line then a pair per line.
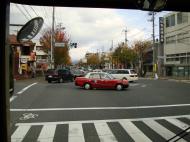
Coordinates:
x,y
153,46
52,37
126,36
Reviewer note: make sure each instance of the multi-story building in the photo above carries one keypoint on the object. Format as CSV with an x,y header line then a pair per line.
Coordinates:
x,y
41,58
24,57
177,44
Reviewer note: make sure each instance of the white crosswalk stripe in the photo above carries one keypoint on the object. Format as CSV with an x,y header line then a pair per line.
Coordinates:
x,y
47,133
164,132
20,133
103,131
76,133
134,132
178,123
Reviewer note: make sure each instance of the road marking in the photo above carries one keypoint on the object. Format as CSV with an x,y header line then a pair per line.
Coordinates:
x,y
12,98
24,89
100,121
134,132
20,133
27,116
104,132
47,133
76,133
178,123
143,85
133,84
161,130
102,108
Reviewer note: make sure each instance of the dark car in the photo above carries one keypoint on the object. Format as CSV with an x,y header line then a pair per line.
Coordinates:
x,y
60,75
49,72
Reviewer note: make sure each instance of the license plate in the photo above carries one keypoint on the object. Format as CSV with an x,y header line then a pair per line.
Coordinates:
x,y
50,76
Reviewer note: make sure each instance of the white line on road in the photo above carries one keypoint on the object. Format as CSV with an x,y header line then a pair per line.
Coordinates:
x,y
12,98
100,121
162,131
47,133
103,108
134,132
21,91
24,89
19,134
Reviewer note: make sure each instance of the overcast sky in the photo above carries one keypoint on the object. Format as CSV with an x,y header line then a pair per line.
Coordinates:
x,y
93,29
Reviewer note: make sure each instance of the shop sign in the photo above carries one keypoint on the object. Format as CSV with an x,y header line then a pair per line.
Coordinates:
x,y
23,60
181,68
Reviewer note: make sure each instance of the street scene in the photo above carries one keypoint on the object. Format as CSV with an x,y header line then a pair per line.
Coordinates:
x,y
149,110
98,75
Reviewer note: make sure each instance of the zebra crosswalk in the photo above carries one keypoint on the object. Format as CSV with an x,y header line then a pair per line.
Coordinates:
x,y
116,130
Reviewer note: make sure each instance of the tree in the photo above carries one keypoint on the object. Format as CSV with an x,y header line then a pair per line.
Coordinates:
x,y
93,60
124,56
140,48
61,54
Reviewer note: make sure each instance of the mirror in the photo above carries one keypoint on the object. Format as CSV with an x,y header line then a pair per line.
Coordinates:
x,y
153,5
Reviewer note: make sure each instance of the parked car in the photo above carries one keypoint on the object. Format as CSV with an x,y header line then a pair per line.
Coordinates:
x,y
78,73
49,72
60,75
128,74
100,80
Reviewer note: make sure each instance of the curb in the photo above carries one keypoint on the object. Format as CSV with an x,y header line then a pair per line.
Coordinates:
x,y
169,79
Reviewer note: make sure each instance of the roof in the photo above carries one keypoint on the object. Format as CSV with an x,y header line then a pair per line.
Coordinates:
x,y
171,5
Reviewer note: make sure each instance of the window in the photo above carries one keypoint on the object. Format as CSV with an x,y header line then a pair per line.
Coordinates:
x,y
182,17
94,76
104,76
123,72
170,21
132,71
170,39
183,37
25,50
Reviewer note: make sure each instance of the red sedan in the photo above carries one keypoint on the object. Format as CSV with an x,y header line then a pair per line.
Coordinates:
x,y
100,80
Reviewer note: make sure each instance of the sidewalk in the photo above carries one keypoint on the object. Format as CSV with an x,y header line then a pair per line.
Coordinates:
x,y
167,78
29,79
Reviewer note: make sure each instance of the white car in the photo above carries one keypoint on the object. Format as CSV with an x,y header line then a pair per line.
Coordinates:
x,y
128,74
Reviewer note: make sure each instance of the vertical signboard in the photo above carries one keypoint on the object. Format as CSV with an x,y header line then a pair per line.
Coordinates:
x,y
161,29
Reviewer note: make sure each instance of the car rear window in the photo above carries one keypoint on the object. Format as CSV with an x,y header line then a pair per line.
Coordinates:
x,y
133,71
123,72
50,71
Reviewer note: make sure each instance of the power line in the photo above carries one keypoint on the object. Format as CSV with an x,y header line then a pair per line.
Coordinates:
x,y
22,11
34,11
27,11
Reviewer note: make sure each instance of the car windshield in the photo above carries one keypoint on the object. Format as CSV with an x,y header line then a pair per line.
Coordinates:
x,y
133,71
136,68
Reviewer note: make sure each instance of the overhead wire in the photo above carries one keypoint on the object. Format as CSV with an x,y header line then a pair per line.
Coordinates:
x,y
34,11
22,12
27,11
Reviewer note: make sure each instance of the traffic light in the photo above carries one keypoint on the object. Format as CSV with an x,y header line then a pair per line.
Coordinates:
x,y
75,45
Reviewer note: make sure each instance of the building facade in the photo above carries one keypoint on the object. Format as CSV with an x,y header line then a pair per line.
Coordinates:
x,y
177,44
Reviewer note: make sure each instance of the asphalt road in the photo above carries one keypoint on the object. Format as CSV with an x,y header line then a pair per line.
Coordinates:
x,y
149,110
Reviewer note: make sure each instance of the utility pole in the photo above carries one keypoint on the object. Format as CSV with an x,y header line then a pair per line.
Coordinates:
x,y
153,42
52,37
126,36
153,36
